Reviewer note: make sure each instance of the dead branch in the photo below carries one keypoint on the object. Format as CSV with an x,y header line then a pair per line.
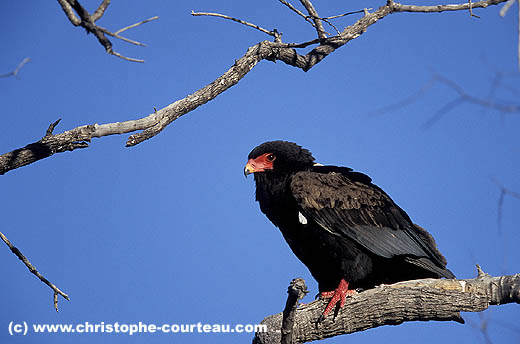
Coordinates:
x,y
33,270
397,7
17,69
100,10
315,18
254,26
461,98
419,300
79,16
298,12
155,122
296,291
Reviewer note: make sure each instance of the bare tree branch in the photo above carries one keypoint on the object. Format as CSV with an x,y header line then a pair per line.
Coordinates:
x,y
128,40
116,34
298,12
35,272
17,69
315,18
506,7
296,291
100,10
427,299
154,123
397,7
87,21
462,97
254,26
346,14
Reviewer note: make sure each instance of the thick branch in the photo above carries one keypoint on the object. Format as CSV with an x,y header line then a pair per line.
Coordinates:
x,y
154,123
428,299
33,270
397,7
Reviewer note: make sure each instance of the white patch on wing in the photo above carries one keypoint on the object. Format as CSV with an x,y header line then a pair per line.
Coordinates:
x,y
317,164
302,219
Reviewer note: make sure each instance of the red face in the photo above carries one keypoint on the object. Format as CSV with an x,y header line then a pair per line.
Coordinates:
x,y
260,164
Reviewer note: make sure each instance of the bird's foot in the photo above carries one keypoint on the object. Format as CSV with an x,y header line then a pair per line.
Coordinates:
x,y
338,295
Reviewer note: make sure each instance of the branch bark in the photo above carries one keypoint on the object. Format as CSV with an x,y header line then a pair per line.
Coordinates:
x,y
419,300
35,272
154,123
87,21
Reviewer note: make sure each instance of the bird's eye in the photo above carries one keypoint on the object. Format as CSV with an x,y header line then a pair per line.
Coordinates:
x,y
271,157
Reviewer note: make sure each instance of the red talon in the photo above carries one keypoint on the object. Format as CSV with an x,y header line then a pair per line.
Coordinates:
x,y
338,295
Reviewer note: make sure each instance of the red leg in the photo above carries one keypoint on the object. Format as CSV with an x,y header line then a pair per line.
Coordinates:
x,y
338,295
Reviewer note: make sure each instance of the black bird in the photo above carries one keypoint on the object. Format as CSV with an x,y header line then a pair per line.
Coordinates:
x,y
346,230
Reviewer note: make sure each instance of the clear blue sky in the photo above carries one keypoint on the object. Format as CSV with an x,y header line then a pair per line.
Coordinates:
x,y
169,232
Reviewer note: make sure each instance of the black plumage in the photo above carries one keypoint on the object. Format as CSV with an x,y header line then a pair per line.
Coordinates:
x,y
339,224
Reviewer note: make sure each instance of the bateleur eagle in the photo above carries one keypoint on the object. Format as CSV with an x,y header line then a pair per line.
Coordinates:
x,y
346,230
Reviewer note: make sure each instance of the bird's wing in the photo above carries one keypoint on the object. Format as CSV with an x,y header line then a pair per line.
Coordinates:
x,y
345,203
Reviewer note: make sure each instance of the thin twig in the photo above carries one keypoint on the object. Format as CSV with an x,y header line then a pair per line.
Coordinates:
x,y
128,40
471,10
135,25
346,14
17,69
503,193
404,102
297,11
33,270
270,33
131,59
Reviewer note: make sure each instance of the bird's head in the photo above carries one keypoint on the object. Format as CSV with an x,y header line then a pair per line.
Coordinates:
x,y
278,156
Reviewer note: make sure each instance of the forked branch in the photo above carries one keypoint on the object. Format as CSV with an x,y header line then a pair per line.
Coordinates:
x,y
79,16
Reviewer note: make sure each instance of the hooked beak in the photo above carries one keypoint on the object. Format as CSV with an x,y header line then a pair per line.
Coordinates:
x,y
250,168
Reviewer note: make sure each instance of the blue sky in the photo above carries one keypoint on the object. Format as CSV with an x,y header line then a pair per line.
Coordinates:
x,y
169,232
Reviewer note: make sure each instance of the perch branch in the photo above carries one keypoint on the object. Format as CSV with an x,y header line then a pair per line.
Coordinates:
x,y
427,299
35,272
